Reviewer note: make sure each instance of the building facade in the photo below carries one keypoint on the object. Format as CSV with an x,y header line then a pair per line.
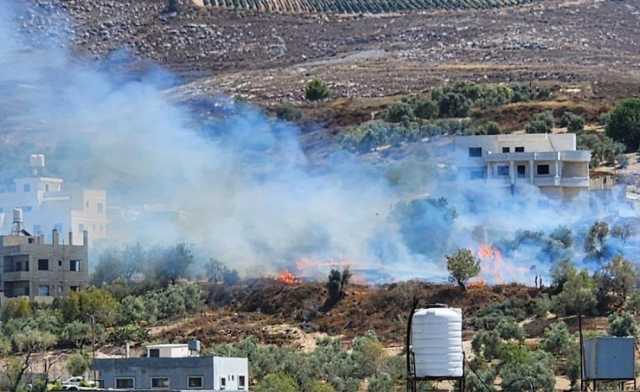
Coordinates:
x,y
550,162
42,271
48,205
173,367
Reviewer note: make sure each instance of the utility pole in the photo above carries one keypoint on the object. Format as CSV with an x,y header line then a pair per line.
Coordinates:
x,y
93,344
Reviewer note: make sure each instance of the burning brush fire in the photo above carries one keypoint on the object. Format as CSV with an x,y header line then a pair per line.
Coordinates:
x,y
491,264
286,277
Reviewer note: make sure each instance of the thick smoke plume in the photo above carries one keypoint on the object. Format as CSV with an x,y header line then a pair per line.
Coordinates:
x,y
241,186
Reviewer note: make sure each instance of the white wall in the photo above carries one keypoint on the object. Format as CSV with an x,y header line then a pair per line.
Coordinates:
x,y
231,369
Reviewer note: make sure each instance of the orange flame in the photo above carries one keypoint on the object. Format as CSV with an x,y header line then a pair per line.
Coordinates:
x,y
491,262
288,278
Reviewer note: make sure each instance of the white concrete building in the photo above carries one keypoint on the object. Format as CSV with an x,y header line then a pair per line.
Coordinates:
x,y
47,205
549,161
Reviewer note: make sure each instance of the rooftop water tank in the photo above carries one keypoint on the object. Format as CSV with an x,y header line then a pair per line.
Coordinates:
x,y
436,342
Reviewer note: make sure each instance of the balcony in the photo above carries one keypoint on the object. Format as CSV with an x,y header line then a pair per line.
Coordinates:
x,y
568,156
571,182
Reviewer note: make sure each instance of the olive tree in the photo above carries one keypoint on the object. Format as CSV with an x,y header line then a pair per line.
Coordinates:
x,y
623,124
462,266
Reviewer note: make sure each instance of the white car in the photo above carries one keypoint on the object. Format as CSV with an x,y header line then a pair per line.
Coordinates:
x,y
74,384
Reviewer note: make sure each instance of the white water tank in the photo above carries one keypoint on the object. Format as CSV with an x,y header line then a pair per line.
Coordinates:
x,y
436,341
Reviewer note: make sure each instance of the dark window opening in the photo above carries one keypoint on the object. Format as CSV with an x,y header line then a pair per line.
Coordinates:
x,y
154,353
543,170
506,149
43,265
160,382
475,152
223,383
241,381
43,291
124,383
195,382
519,149
522,170
74,265
503,170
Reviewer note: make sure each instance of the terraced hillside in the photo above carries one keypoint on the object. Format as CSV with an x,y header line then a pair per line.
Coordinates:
x,y
359,6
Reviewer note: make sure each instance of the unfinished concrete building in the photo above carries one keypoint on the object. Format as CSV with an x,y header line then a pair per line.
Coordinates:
x,y
550,162
39,270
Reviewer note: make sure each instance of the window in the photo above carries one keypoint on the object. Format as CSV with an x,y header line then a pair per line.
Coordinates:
x,y
475,152
476,173
46,187
503,170
43,264
241,382
59,263
154,353
125,383
74,265
519,149
223,383
43,291
160,382
522,171
26,187
60,289
506,150
100,208
543,170
195,382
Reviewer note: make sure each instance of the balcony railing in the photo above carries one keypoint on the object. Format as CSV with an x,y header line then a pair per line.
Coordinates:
x,y
569,156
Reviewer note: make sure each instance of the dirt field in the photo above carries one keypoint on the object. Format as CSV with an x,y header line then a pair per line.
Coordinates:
x,y
268,57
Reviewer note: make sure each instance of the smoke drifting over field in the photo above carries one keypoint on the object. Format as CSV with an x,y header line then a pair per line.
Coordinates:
x,y
242,187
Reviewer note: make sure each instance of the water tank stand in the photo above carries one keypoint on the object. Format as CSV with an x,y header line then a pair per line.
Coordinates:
x,y
412,379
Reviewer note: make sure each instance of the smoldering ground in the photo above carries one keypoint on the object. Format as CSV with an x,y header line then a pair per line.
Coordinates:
x,y
241,188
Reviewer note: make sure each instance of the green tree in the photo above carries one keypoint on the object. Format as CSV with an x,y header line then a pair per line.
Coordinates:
x,y
174,264
556,339
14,308
525,370
76,333
616,282
132,310
380,383
425,109
624,124
453,105
571,121
368,353
319,386
91,304
217,272
462,266
399,112
596,240
578,294
509,329
541,123
277,383
622,324
560,273
77,364
316,90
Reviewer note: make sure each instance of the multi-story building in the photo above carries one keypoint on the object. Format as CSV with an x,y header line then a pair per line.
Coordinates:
x,y
47,205
176,367
41,271
550,162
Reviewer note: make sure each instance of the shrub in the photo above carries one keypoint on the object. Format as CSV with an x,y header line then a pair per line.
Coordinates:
x,y
486,344
578,294
573,122
277,383
491,128
368,352
603,148
288,112
77,364
633,304
524,370
319,386
453,105
541,123
462,266
425,109
399,112
624,124
616,282
380,383
509,329
622,324
316,90
557,339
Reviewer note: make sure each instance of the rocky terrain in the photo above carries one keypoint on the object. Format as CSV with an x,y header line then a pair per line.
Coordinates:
x,y
267,57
